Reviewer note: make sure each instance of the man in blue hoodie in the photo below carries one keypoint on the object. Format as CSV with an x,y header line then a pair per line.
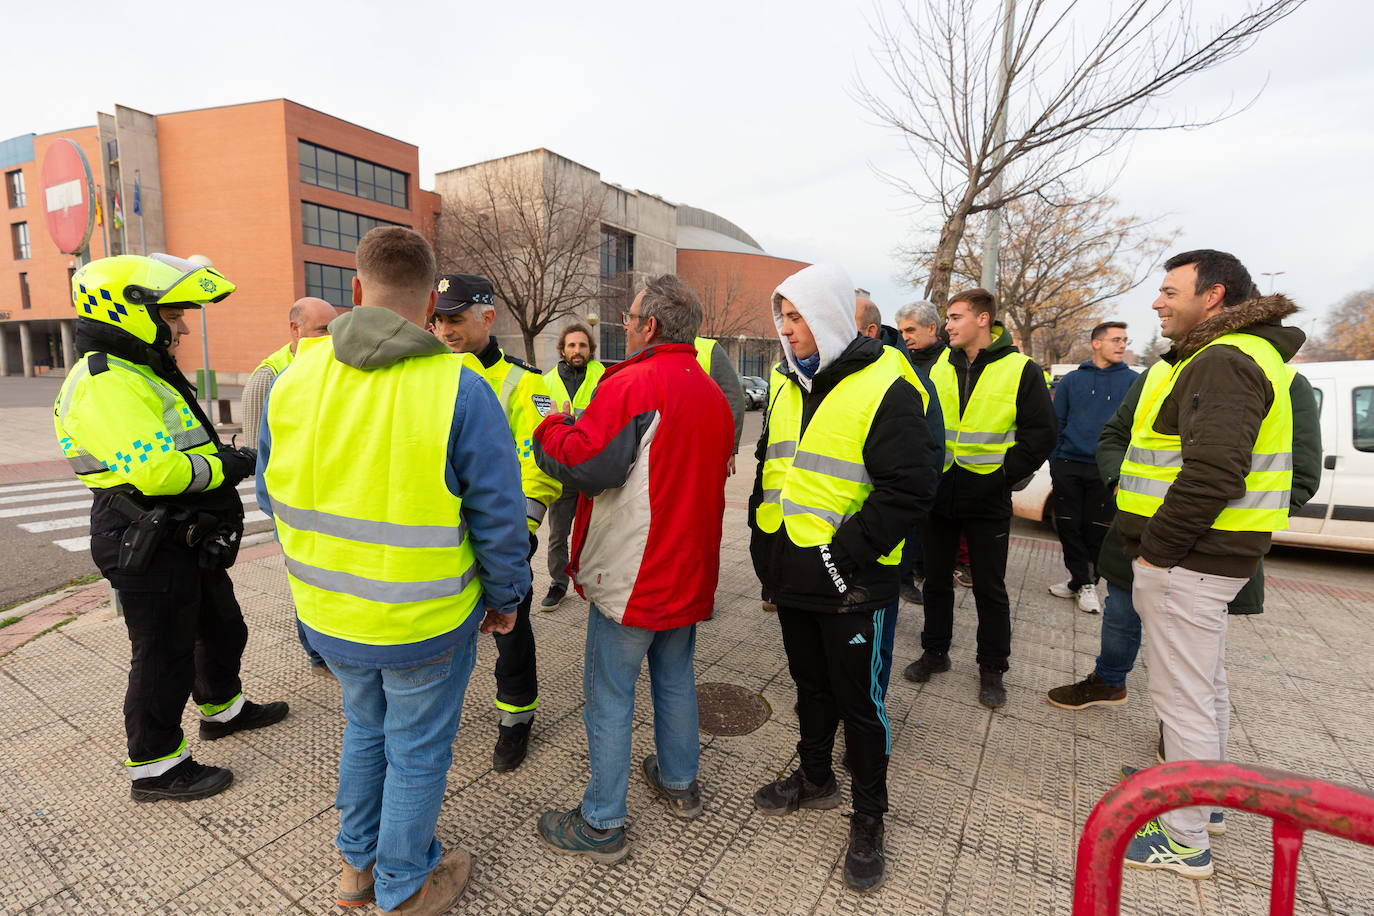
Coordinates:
x,y
1084,401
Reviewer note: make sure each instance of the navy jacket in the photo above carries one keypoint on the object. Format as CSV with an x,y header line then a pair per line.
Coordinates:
x,y
1084,401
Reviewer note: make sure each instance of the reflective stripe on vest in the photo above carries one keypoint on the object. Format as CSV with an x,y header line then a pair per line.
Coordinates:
x,y
278,360
579,401
813,486
1154,459
369,563
979,436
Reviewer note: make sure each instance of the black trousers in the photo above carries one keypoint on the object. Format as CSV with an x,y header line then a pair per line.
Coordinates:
x,y
834,660
1083,511
987,550
517,680
187,635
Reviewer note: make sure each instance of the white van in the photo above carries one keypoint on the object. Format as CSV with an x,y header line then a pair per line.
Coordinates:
x,y
1340,515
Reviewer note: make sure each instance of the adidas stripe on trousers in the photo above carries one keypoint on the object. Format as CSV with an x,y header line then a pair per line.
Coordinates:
x,y
835,662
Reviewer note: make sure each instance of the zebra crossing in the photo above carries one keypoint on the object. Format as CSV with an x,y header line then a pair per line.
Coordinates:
x,y
34,505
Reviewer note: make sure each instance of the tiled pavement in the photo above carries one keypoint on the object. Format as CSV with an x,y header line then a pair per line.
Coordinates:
x,y
986,807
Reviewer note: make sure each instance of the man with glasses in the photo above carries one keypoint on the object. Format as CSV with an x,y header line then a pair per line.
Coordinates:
x,y
1083,509
648,459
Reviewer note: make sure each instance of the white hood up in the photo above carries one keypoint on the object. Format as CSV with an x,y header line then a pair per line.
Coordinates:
x,y
824,295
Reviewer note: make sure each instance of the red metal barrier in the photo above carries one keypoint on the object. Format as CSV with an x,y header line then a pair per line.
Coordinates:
x,y
1295,805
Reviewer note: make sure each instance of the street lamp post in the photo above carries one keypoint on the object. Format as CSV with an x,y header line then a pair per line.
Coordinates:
x,y
203,261
1271,274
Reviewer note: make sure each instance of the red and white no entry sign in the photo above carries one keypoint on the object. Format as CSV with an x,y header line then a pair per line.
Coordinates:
x,y
68,196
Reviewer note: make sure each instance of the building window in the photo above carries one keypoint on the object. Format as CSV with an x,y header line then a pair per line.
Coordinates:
x,y
24,301
612,345
332,284
337,171
617,255
1362,410
19,234
330,228
14,188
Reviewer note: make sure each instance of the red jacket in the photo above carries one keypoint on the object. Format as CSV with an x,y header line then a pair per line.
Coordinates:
x,y
648,459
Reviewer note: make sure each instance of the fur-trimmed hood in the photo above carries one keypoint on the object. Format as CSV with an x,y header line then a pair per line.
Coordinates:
x,y
1260,316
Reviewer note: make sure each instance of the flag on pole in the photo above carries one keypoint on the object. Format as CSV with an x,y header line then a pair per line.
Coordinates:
x,y
99,213
118,212
138,196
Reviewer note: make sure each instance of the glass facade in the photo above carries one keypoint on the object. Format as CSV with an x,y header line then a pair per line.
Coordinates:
x,y
612,346
332,284
338,229
337,171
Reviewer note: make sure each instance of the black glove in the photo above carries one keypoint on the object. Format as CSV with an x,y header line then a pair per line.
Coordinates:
x,y
238,464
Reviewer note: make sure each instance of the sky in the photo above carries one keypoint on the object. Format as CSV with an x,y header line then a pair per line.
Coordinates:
x,y
744,109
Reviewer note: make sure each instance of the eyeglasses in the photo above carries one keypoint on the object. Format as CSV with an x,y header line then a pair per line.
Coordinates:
x,y
625,318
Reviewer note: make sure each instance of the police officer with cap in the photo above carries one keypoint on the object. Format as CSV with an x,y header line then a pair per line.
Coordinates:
x,y
166,519
463,315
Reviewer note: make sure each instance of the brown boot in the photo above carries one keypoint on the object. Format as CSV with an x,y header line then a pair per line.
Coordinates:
x,y
355,887
442,888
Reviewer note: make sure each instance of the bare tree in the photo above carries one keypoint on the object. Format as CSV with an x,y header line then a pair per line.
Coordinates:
x,y
725,307
1072,95
531,227
1061,265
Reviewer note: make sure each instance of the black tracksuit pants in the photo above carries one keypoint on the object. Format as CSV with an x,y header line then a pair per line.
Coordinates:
x,y
987,550
834,660
1083,511
517,680
187,634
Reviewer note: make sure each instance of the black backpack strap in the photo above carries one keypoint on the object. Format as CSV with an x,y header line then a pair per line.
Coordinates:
x,y
98,363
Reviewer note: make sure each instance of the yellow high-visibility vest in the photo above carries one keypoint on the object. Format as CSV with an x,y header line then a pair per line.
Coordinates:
x,y
704,347
525,400
559,392
814,481
366,562
978,437
1154,459
278,360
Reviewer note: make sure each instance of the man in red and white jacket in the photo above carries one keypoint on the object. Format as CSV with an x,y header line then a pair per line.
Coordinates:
x,y
649,459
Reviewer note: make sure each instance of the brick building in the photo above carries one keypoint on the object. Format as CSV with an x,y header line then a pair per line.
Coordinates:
x,y
635,234
274,193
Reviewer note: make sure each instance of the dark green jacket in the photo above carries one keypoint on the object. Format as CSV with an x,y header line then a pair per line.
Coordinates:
x,y
1113,565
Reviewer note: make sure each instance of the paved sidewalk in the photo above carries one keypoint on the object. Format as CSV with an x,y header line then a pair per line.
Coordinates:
x,y
986,807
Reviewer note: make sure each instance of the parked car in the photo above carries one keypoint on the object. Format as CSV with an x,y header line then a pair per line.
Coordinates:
x,y
755,392
1340,515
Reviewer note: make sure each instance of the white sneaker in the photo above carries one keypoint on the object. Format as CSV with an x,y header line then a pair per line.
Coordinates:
x,y
1087,600
1062,590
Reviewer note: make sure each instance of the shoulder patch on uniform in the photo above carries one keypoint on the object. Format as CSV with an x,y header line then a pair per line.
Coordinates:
x,y
542,403
518,362
98,363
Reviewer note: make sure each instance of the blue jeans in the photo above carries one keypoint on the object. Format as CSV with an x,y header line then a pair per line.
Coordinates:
x,y
1120,637
614,656
397,749
316,659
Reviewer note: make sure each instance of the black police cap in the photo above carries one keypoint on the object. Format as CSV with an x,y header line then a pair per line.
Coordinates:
x,y
458,291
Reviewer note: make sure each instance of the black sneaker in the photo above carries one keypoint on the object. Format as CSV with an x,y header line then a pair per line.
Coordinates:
x,y
796,791
187,781
929,663
511,748
685,803
911,594
1090,691
863,863
250,716
991,693
554,598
